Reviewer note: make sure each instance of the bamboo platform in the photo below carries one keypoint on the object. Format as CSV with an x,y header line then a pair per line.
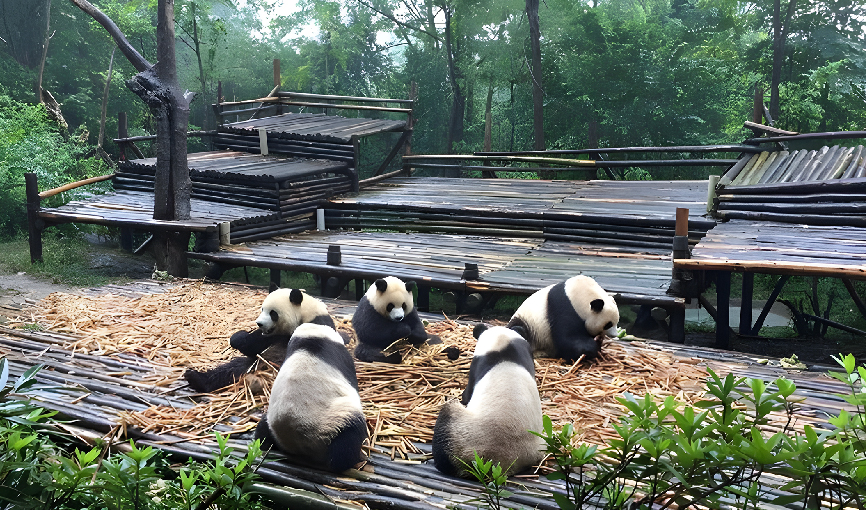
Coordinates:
x,y
134,209
97,393
315,127
781,248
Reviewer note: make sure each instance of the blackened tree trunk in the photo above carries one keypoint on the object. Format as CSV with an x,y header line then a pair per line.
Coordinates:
x,y
158,87
780,33
458,105
535,72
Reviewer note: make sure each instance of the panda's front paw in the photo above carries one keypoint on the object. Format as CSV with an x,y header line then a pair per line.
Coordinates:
x,y
252,343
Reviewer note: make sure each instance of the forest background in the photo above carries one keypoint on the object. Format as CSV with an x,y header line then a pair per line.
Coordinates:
x,y
632,72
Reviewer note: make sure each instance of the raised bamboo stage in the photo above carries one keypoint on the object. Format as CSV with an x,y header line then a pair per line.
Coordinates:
x,y
786,212
97,388
494,236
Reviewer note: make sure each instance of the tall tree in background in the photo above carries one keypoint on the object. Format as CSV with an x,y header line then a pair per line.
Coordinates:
x,y
781,28
535,75
158,87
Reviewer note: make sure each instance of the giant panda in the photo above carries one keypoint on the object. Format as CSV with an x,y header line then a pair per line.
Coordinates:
x,y
314,413
498,409
283,310
568,319
385,314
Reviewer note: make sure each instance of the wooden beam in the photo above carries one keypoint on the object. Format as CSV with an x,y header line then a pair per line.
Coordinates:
x,y
768,129
769,304
73,185
828,135
611,150
768,266
34,230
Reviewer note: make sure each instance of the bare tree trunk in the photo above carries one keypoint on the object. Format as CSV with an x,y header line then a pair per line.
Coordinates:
x,y
157,86
208,120
105,100
458,105
488,119
535,72
780,33
44,51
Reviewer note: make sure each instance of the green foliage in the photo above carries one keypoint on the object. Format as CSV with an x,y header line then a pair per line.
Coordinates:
x,y
718,450
31,142
36,472
66,260
492,477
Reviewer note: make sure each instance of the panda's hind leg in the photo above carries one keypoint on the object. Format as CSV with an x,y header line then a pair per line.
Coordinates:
x,y
345,449
263,433
219,377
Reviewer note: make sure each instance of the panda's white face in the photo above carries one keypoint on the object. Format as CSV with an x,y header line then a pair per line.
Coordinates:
x,y
283,310
390,298
596,306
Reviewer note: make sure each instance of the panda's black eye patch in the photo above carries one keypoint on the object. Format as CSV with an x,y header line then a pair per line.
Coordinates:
x,y
404,306
390,306
274,315
608,325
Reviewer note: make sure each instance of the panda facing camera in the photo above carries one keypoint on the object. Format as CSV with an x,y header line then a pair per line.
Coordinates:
x,y
499,407
567,320
385,314
283,310
314,413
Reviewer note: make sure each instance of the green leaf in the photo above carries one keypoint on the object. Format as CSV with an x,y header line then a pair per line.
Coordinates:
x,y
4,372
563,502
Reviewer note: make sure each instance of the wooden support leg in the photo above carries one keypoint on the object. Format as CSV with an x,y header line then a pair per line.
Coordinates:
x,y
856,297
677,332
423,304
126,239
746,304
723,314
359,288
772,299
34,227
275,280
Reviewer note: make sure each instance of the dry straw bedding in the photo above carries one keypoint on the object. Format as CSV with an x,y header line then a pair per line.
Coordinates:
x,y
189,326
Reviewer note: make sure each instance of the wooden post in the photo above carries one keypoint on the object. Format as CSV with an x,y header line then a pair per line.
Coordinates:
x,y
126,239
712,197
423,304
356,156
122,132
723,313
359,289
681,280
275,279
758,105
277,79
746,304
34,227
217,109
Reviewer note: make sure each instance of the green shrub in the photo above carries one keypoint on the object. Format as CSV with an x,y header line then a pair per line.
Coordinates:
x,y
717,452
31,142
37,472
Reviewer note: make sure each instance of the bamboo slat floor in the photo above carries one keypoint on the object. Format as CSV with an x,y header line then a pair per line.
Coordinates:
x,y
781,248
97,392
125,208
505,265
318,127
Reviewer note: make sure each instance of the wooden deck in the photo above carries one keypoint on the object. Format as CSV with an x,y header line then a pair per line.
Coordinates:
x,y
770,247
315,126
505,265
522,235
93,392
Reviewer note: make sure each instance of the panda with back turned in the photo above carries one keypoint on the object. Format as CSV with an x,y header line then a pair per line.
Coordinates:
x,y
385,314
283,310
314,413
498,409
567,320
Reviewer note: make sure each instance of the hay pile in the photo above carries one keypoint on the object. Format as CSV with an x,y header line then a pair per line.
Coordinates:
x,y
189,326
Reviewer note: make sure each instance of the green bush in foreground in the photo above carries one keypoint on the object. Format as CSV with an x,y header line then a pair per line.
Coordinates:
x,y
714,453
36,472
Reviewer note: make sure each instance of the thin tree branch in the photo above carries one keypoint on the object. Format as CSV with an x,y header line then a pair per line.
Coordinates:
x,y
134,57
398,22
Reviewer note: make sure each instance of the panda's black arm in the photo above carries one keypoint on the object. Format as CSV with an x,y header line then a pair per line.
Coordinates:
x,y
417,333
252,344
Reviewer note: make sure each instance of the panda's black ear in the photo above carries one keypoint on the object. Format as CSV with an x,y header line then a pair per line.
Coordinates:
x,y
381,285
410,286
296,296
273,286
479,328
596,305
520,330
